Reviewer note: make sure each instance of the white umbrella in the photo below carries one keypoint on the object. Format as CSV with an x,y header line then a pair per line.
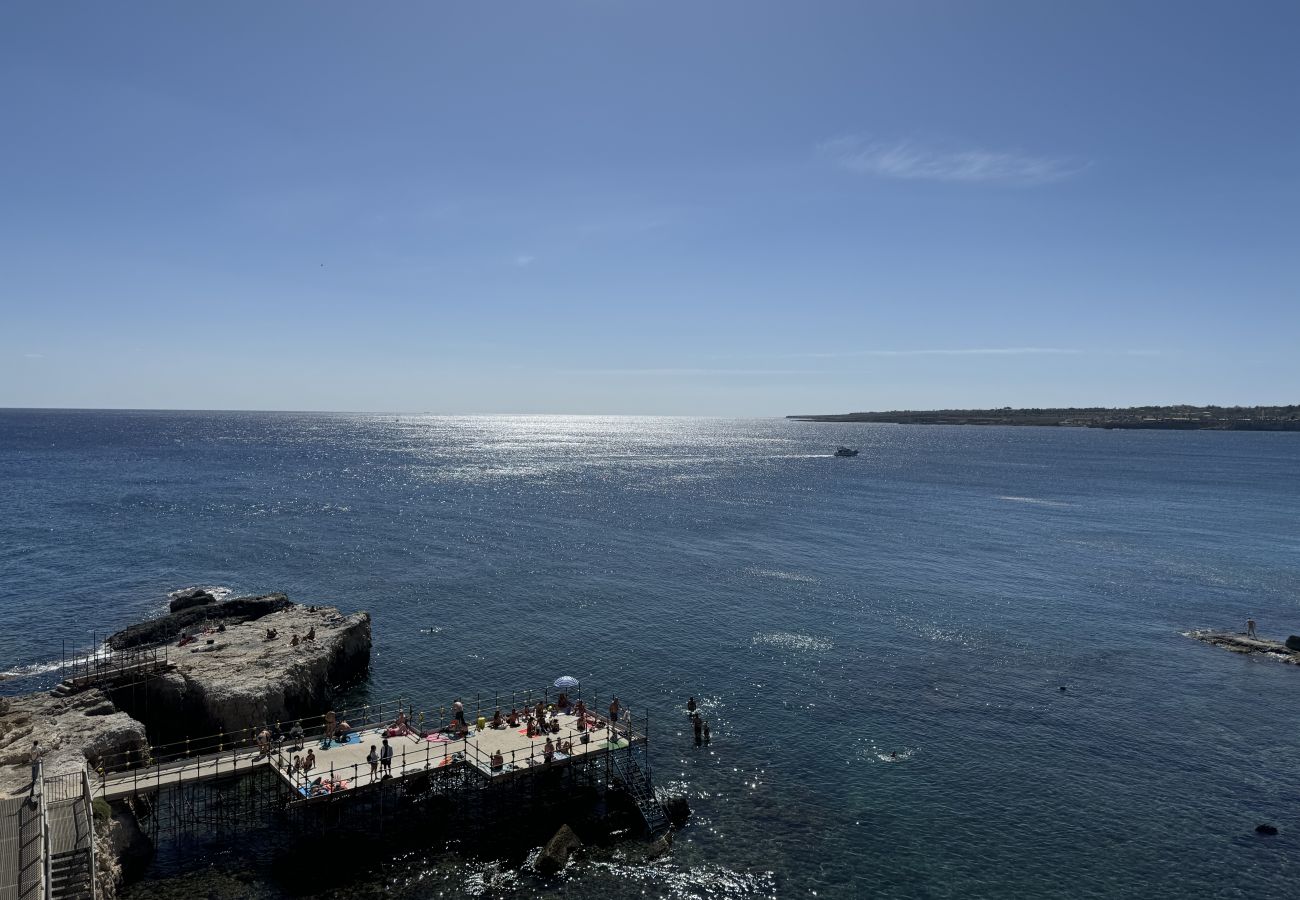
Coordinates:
x,y
566,682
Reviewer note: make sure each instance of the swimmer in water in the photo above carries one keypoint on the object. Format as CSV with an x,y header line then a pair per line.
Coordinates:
x,y
893,754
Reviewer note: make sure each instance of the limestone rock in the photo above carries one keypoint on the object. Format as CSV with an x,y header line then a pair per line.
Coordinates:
x,y
555,855
71,732
170,627
190,597
243,681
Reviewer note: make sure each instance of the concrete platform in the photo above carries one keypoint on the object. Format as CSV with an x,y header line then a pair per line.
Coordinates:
x,y
345,764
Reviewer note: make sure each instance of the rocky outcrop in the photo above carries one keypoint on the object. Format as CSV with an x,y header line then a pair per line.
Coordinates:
x,y
69,731
194,618
190,597
558,850
236,679
1240,643
1293,642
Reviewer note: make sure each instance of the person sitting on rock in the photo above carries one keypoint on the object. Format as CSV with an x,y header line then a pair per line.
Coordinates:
x,y
554,726
297,764
532,727
311,634
271,634
566,747
513,719
344,729
497,721
562,701
294,642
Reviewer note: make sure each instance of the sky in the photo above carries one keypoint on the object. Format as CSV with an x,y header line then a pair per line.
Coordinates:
x,y
724,208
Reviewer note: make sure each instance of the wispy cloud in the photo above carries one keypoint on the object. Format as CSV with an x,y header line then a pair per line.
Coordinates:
x,y
523,260
907,160
725,373
33,356
963,351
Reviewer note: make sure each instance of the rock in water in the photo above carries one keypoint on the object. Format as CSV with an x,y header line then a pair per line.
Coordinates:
x,y
555,855
191,597
1266,829
678,811
1293,642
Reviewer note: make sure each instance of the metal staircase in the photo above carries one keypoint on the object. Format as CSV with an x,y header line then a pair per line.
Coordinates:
x,y
633,769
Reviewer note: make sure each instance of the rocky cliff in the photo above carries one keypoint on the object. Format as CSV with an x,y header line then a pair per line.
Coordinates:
x,y
237,678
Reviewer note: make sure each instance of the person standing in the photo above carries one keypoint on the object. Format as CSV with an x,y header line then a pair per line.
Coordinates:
x,y
706,733
1250,628
331,723
690,705
613,719
386,758
699,730
458,712
373,758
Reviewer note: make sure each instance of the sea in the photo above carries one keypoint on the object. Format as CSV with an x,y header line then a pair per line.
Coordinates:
x,y
953,666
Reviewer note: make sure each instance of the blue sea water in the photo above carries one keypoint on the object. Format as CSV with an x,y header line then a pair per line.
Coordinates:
x,y
929,598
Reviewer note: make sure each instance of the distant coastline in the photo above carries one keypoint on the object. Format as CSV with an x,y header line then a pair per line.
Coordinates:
x,y
1177,418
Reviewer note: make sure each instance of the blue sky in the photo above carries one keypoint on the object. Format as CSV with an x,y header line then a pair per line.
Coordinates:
x,y
609,207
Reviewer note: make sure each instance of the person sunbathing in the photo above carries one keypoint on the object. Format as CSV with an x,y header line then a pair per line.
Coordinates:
x,y
497,721
532,727
555,726
513,719
566,747
294,642
311,634
498,761
310,761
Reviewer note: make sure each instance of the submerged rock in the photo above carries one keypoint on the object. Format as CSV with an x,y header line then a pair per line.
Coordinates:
x,y
1293,642
558,850
1266,829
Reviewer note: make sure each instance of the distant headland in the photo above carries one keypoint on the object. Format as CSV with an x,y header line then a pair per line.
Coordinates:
x,y
1186,418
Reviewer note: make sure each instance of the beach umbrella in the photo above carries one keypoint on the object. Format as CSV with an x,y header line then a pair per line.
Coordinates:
x,y
566,682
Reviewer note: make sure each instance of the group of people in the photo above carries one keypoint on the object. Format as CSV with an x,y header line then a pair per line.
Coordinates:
x,y
273,634
698,723
380,758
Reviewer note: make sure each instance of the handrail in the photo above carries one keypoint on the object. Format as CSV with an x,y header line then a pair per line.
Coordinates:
x,y
89,806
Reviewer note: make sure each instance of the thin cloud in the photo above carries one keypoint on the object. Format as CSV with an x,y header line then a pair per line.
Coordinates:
x,y
523,260
744,373
964,351
907,160
33,356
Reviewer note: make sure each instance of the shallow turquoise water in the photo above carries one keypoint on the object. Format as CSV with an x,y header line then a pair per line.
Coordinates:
x,y
929,597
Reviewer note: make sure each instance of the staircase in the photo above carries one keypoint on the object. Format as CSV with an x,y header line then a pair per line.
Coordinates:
x,y
70,839
633,769
71,877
